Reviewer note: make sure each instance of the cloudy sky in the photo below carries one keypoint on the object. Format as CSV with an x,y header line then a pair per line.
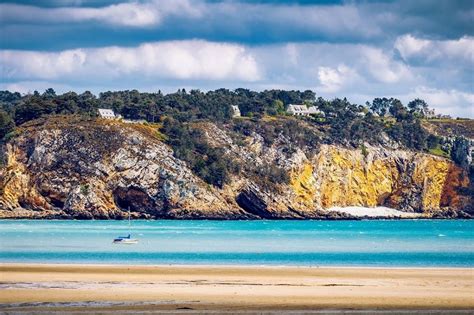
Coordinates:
x,y
354,49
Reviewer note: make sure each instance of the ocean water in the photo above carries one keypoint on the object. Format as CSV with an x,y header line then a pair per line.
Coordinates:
x,y
405,243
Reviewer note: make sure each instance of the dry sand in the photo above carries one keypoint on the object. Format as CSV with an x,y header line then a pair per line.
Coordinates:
x,y
184,288
377,212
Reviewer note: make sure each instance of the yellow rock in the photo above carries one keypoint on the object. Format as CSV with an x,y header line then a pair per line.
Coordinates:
x,y
304,186
344,177
431,173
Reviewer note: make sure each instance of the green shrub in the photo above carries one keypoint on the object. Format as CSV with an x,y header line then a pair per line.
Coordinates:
x,y
364,151
84,188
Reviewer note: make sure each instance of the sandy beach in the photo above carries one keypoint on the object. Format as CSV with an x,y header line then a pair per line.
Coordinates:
x,y
46,287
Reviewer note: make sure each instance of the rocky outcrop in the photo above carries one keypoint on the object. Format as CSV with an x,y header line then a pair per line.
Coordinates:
x,y
407,181
97,169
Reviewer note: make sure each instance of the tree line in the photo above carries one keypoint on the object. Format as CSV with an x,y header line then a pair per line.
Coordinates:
x,y
343,122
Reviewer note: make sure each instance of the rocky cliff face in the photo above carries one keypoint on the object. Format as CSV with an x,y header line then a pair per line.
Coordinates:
x,y
399,179
98,169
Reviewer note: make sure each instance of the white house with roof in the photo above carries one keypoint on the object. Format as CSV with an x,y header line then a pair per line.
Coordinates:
x,y
106,113
303,110
235,111
430,113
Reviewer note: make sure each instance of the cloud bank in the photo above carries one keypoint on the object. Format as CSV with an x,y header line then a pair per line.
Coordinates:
x,y
341,48
127,14
359,72
176,60
249,22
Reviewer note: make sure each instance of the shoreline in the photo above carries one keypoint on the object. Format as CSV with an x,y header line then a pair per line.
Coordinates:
x,y
226,266
134,288
349,218
335,213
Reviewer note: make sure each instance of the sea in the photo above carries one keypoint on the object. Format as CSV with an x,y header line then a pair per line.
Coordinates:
x,y
371,243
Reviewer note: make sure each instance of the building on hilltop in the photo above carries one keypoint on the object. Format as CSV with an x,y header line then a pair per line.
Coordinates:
x,y
303,110
387,114
107,113
235,111
430,114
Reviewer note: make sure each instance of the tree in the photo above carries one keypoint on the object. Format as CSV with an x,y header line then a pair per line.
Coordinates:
x,y
397,109
87,103
460,152
380,106
6,123
418,106
308,95
279,107
49,93
9,100
433,141
33,107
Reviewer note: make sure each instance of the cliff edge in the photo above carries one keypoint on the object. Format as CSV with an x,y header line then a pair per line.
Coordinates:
x,y
72,167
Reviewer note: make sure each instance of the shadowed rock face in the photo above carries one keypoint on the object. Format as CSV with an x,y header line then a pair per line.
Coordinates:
x,y
250,200
136,199
96,169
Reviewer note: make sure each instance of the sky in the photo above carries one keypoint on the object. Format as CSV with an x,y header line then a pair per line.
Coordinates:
x,y
356,49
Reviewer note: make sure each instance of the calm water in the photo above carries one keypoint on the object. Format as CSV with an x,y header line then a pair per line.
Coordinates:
x,y
420,243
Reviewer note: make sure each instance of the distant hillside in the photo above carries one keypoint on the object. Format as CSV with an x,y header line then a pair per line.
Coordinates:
x,y
192,159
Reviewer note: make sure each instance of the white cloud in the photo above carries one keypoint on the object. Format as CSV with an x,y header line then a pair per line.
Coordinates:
x,y
425,50
128,14
44,65
174,59
231,16
408,45
364,67
382,67
132,14
332,79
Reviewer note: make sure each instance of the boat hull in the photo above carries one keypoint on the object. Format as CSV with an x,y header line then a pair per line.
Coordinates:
x,y
126,242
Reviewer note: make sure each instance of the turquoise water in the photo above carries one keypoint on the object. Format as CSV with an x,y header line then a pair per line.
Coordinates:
x,y
414,243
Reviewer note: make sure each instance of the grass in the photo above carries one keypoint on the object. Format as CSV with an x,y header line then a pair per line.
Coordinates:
x,y
150,130
439,152
242,117
268,118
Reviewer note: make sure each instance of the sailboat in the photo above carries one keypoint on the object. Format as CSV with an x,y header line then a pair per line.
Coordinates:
x,y
126,239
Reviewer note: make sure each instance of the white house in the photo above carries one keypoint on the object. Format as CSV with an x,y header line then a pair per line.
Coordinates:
x,y
430,114
106,113
303,110
387,114
235,111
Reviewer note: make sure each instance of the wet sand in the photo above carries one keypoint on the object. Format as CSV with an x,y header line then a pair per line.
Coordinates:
x,y
47,287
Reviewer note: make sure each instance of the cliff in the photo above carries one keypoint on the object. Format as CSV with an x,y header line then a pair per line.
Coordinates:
x,y
86,168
